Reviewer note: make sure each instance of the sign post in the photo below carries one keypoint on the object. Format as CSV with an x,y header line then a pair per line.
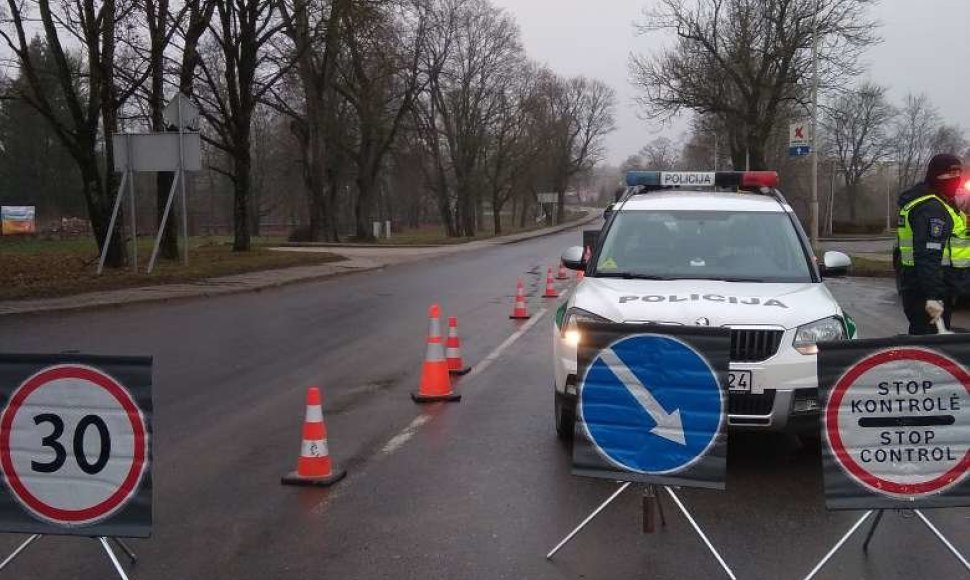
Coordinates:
x,y
75,448
651,410
896,424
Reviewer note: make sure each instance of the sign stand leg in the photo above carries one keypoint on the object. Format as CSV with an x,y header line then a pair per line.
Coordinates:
x,y
700,533
114,559
943,539
111,224
595,513
872,530
126,549
19,549
838,545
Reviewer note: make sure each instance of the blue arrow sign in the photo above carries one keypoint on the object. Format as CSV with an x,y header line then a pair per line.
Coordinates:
x,y
799,150
651,404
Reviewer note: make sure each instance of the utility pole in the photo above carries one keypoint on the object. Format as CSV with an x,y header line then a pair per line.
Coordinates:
x,y
814,219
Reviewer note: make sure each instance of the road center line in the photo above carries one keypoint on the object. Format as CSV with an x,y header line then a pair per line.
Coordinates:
x,y
405,435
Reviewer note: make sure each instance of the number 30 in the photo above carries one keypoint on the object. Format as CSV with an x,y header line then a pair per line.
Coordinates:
x,y
60,454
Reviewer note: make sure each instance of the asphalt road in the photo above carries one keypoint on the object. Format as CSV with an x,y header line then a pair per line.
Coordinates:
x,y
480,489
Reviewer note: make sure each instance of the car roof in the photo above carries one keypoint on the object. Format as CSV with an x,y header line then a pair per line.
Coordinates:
x,y
673,200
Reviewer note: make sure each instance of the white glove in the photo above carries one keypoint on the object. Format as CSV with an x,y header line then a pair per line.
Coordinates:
x,y
934,308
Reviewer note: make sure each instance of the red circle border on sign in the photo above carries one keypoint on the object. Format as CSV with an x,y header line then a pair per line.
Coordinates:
x,y
835,438
128,485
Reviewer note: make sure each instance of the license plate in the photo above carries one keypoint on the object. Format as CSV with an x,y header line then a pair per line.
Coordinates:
x,y
739,381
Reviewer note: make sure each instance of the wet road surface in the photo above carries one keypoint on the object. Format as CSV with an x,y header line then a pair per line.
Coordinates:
x,y
480,489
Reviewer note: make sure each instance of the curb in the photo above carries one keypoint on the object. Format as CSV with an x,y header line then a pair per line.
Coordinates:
x,y
212,287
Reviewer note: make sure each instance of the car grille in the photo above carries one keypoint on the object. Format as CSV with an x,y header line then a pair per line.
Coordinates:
x,y
750,404
754,345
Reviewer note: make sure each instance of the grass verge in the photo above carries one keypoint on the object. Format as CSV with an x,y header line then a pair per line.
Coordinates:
x,y
869,268
33,268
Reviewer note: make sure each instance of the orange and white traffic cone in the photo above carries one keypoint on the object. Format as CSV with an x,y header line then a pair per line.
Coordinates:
x,y
314,466
435,382
519,311
562,275
550,286
456,365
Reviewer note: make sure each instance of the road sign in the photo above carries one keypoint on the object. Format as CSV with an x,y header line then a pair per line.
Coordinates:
x,y
75,445
897,424
189,114
651,406
156,151
547,197
799,138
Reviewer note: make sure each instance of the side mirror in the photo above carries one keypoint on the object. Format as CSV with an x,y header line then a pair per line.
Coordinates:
x,y
835,264
607,211
572,258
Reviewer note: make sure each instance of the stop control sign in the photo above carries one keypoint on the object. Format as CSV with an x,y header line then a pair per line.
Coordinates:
x,y
897,423
75,448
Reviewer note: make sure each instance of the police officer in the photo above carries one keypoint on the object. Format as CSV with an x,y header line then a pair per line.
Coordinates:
x,y
928,221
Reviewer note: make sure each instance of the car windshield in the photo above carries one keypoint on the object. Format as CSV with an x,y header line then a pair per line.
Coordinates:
x,y
707,245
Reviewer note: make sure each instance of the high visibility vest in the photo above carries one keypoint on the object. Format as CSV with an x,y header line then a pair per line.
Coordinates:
x,y
956,251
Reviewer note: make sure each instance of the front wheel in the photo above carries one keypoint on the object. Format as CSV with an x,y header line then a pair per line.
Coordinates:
x,y
565,413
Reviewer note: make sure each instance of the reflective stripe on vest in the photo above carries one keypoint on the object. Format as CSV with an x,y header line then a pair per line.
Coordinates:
x,y
956,251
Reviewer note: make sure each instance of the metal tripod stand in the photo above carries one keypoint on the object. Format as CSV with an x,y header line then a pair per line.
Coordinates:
x,y
677,501
104,543
865,545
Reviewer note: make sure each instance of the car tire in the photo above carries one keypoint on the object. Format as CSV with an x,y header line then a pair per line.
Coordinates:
x,y
565,414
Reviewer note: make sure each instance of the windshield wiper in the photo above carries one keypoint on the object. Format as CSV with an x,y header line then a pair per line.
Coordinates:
x,y
631,276
738,279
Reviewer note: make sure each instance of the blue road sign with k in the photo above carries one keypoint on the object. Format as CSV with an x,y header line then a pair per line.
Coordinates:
x,y
651,405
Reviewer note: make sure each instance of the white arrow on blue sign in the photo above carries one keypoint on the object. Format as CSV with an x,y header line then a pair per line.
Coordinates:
x,y
647,417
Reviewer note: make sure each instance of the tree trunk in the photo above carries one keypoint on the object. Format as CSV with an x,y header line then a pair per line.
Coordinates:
x,y
99,212
561,207
362,209
497,214
240,209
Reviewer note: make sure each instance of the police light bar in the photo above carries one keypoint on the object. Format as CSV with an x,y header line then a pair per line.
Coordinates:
x,y
738,179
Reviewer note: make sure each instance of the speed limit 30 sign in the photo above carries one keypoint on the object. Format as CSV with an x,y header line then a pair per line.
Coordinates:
x,y
75,449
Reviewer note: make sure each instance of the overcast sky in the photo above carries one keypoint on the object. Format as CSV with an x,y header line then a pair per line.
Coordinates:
x,y
925,48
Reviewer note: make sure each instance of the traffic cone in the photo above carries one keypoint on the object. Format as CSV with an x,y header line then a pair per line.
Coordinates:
x,y
520,311
562,275
435,382
550,286
314,466
456,365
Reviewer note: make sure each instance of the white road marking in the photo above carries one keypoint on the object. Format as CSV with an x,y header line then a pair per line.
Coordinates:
x,y
495,354
401,438
408,432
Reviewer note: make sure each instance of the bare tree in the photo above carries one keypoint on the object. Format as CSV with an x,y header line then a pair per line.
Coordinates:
x,y
581,115
856,127
378,77
746,61
660,154
243,67
915,126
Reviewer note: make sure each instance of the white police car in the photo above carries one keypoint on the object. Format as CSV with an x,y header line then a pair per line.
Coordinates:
x,y
713,249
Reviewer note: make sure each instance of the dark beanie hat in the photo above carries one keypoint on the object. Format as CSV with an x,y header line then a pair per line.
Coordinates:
x,y
940,164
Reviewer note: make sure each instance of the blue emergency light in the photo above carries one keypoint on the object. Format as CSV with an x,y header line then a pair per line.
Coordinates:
x,y
735,179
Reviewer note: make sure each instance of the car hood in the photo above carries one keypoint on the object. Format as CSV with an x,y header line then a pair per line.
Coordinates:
x,y
721,303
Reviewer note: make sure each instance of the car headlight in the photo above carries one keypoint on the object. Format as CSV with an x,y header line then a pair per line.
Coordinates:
x,y
808,335
570,326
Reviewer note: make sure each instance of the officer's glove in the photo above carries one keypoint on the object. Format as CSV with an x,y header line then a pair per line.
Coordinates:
x,y
934,308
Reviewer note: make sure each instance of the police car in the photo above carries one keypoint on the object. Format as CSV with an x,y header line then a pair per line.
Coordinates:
x,y
718,249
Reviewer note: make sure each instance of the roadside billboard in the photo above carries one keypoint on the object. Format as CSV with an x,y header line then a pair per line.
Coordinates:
x,y
17,220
